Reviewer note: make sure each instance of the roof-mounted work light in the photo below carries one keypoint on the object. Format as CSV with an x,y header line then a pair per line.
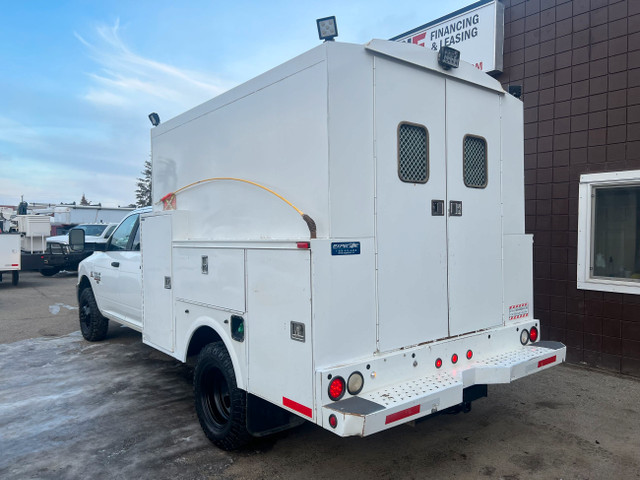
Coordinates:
x,y
155,119
448,58
327,28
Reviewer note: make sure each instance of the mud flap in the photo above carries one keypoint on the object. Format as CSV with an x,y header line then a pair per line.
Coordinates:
x,y
264,418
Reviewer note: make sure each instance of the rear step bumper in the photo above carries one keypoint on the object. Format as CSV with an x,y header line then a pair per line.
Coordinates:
x,y
406,401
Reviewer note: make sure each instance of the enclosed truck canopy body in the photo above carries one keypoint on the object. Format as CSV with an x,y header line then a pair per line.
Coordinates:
x,y
415,285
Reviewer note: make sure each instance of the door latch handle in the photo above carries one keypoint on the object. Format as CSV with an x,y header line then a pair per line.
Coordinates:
x,y
115,264
437,208
455,208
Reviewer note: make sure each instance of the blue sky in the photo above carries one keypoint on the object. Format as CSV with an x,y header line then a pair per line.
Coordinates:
x,y
78,78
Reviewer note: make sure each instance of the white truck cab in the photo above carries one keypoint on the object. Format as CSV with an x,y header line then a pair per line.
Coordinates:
x,y
115,277
339,240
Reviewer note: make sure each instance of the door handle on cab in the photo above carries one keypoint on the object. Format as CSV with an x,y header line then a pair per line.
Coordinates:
x,y
115,264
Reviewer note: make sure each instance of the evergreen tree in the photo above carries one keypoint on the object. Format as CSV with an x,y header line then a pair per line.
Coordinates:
x,y
143,192
84,201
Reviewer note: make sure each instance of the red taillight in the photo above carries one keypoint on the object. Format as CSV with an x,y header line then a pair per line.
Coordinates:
x,y
469,354
336,388
304,245
333,421
454,358
438,363
533,334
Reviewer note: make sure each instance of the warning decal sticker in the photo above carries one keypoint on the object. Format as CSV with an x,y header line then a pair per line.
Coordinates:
x,y
518,311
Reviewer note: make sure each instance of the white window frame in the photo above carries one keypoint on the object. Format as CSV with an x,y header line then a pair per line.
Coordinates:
x,y
586,213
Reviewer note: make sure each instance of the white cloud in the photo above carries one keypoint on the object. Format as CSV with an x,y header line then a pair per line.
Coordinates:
x,y
125,79
16,133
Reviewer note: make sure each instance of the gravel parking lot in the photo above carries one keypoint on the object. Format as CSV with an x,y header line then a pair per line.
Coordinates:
x,y
120,409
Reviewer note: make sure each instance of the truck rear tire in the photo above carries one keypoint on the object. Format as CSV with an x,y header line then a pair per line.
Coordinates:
x,y
221,406
49,272
93,325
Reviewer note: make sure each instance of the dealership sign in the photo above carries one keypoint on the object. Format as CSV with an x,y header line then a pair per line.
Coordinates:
x,y
477,31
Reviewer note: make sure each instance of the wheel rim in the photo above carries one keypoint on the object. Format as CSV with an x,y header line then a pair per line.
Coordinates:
x,y
216,398
85,315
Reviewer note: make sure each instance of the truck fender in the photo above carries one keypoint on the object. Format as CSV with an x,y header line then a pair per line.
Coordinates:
x,y
205,321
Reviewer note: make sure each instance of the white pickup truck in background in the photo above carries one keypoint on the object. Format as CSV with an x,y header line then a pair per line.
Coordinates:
x,y
96,236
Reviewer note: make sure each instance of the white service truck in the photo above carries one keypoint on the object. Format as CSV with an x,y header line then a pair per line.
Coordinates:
x,y
339,240
10,256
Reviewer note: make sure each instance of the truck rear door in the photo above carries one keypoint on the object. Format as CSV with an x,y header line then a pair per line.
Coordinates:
x,y
437,206
473,185
411,236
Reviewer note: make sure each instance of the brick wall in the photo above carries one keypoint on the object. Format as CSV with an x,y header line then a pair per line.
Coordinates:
x,y
579,65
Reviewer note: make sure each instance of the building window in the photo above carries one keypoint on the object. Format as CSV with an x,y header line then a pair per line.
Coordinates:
x,y
609,232
413,153
475,162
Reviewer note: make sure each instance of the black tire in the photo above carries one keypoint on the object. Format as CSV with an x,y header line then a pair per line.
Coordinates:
x,y
92,324
221,406
49,272
15,277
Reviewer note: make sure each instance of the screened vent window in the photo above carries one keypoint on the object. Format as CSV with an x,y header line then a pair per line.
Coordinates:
x,y
475,162
413,153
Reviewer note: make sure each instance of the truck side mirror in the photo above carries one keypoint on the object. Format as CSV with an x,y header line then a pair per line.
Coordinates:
x,y
76,240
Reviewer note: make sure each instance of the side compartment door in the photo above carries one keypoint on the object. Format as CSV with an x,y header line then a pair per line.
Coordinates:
x,y
410,205
157,301
474,208
279,328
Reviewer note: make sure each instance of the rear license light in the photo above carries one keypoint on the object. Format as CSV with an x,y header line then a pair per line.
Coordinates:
x,y
336,388
533,334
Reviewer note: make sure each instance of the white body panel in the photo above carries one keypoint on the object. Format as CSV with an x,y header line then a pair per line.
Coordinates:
x,y
34,225
9,252
221,287
35,230
385,287
279,293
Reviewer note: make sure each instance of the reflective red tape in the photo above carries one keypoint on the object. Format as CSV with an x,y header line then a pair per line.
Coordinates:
x,y
287,402
546,361
394,417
